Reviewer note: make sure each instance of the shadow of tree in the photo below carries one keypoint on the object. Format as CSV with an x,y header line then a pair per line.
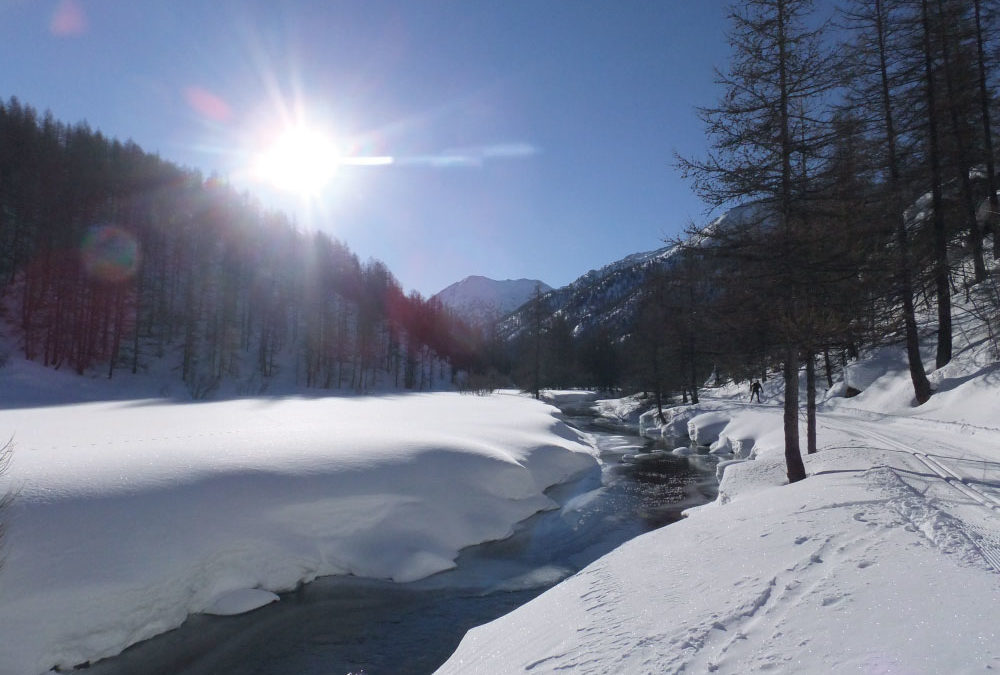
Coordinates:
x,y
6,453
990,375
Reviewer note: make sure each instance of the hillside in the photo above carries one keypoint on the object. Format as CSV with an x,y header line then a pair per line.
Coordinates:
x,y
116,262
604,297
481,300
608,297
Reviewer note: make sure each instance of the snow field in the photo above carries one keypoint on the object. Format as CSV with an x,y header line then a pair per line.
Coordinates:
x,y
131,515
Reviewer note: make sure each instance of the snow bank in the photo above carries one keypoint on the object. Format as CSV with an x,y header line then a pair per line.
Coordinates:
x,y
241,601
132,515
620,413
832,574
704,429
571,401
674,427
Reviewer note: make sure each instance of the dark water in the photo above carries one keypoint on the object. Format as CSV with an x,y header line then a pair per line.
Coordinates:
x,y
339,625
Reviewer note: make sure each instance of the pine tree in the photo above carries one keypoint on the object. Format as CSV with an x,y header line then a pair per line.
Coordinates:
x,y
993,220
768,135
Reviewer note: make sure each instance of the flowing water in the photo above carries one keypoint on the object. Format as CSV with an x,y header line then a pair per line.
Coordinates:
x,y
339,625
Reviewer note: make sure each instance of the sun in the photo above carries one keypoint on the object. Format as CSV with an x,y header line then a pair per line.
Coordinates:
x,y
299,159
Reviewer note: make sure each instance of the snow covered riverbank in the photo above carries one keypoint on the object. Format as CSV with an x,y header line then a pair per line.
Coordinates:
x,y
852,570
131,515
885,560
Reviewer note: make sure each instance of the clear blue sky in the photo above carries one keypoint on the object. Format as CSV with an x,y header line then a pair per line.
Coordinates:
x,y
529,138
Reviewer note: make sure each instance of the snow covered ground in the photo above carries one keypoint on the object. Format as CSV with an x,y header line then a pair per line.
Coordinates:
x,y
885,560
130,515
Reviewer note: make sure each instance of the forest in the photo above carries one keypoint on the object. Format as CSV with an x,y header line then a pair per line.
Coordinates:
x,y
114,259
860,155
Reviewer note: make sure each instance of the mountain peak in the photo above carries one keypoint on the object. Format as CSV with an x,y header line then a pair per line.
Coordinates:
x,y
481,300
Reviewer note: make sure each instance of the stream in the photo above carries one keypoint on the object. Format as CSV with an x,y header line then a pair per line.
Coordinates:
x,y
340,625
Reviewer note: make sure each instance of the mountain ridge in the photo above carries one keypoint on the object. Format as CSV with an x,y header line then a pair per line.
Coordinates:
x,y
608,297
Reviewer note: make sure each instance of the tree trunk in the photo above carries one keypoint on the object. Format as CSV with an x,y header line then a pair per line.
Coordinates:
x,y
796,470
921,386
694,374
137,317
811,402
942,289
968,198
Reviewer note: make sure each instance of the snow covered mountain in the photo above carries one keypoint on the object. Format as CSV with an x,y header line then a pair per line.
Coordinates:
x,y
609,297
482,300
606,297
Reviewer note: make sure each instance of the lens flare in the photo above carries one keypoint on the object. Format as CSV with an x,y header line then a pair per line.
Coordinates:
x,y
208,104
68,20
109,254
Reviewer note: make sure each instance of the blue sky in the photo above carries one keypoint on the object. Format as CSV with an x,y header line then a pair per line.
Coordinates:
x,y
529,138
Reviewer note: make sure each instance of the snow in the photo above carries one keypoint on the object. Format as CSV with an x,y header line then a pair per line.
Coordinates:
x,y
704,429
829,575
485,300
886,559
131,515
619,413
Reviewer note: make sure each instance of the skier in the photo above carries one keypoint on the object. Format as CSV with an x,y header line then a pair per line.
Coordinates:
x,y
755,390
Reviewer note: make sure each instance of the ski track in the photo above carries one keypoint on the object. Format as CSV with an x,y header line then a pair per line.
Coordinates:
x,y
948,496
969,510
944,493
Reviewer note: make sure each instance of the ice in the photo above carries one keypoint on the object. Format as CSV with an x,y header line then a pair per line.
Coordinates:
x,y
241,601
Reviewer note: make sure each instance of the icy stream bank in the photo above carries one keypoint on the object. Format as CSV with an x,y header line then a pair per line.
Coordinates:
x,y
344,624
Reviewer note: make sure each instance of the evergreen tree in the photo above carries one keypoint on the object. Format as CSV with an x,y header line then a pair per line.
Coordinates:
x,y
768,135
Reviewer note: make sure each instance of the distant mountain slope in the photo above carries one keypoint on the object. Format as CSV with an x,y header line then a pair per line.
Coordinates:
x,y
609,297
605,297
481,300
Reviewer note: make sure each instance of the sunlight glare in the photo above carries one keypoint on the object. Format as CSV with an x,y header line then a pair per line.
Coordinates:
x,y
300,159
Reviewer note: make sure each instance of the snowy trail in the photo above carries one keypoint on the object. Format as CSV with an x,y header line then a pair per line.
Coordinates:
x,y
970,467
960,479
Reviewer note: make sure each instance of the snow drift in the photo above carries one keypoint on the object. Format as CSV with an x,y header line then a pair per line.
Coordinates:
x,y
131,515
